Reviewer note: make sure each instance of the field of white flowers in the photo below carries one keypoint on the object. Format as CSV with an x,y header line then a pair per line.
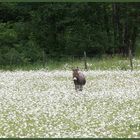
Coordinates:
x,y
45,104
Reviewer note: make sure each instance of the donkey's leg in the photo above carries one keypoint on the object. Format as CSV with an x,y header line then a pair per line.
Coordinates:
x,y
81,87
76,87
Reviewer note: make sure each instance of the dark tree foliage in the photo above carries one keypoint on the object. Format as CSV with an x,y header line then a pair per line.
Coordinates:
x,y
30,30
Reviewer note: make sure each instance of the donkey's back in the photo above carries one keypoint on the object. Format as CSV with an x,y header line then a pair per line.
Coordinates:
x,y
81,79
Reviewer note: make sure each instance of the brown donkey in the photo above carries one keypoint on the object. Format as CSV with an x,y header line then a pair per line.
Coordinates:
x,y
79,79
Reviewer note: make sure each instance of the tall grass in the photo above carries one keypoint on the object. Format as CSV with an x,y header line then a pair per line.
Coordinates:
x,y
106,63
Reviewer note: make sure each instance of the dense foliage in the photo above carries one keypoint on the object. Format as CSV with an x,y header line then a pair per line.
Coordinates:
x,y
30,32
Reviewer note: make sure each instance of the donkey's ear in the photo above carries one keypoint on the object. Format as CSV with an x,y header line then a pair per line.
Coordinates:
x,y
77,68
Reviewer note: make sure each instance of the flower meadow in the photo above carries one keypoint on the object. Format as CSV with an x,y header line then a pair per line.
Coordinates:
x,y
45,104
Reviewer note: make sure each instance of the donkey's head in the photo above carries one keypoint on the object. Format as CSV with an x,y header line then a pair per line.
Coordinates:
x,y
75,72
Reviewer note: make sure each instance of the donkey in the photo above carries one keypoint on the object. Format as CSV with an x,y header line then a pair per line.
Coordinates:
x,y
79,79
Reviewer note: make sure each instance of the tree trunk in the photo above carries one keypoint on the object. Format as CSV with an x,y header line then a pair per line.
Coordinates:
x,y
116,26
133,39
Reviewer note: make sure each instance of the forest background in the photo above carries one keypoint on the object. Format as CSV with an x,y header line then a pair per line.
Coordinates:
x,y
34,33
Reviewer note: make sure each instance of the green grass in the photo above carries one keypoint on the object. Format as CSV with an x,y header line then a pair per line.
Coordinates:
x,y
107,63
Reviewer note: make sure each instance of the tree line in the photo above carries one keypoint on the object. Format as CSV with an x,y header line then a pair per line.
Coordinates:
x,y
30,31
